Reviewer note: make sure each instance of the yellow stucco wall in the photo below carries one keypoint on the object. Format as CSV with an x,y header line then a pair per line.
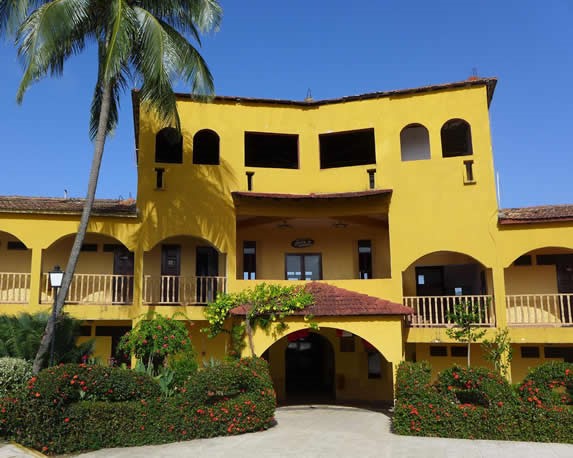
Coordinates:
x,y
431,216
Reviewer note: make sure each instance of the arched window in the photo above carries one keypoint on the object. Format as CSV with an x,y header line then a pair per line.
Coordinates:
x,y
456,138
206,147
415,143
169,146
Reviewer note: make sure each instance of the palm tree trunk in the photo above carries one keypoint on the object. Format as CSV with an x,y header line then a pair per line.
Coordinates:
x,y
99,144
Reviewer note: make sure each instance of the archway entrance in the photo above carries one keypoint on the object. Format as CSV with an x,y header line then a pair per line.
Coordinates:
x,y
309,368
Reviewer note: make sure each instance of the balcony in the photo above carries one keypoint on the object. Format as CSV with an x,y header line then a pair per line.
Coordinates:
x,y
14,288
94,289
182,290
433,311
539,309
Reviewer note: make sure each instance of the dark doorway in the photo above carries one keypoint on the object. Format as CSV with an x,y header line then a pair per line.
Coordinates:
x,y
565,286
122,265
206,265
170,271
309,367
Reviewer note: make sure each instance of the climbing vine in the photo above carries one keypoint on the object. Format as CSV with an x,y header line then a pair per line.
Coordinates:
x,y
265,305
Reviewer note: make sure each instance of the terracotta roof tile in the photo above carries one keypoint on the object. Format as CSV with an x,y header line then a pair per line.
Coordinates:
x,y
540,214
331,300
60,206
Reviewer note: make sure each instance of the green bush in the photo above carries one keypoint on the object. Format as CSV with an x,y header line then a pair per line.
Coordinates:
x,y
491,409
14,374
475,385
69,383
184,365
233,398
549,384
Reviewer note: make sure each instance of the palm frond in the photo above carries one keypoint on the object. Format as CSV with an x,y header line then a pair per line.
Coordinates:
x,y
187,16
154,61
48,36
14,12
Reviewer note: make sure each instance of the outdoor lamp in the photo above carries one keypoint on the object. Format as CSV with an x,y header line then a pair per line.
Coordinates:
x,y
56,276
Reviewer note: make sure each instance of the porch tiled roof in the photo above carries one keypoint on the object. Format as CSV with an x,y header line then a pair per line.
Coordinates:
x,y
540,214
312,196
331,300
61,206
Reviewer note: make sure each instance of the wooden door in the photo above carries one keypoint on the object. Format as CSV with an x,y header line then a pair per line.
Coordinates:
x,y
170,272
122,287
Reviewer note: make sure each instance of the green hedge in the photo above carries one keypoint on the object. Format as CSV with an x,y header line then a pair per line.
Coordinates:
x,y
229,399
474,404
549,384
14,374
69,383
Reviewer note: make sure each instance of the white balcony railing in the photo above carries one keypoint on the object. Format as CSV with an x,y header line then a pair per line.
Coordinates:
x,y
180,290
539,309
97,289
433,311
14,288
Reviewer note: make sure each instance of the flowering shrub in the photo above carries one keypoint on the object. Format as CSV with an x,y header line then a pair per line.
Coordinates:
x,y
549,384
151,341
233,398
69,383
490,409
475,385
14,373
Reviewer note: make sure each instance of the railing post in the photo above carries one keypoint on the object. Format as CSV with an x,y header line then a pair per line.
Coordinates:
x,y
35,277
500,319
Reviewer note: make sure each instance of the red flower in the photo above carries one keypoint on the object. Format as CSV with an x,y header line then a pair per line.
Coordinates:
x,y
66,420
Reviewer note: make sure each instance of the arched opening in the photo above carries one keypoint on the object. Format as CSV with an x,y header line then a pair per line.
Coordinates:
x,y
329,365
169,146
539,287
435,282
309,367
15,264
183,270
206,147
103,275
456,138
415,143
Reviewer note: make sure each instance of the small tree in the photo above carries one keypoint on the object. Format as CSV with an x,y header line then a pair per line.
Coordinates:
x,y
153,340
265,305
499,352
464,316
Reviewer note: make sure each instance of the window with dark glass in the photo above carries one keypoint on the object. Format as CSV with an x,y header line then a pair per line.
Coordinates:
x,y
365,259
169,146
206,147
456,138
374,364
460,352
249,260
345,149
303,267
271,150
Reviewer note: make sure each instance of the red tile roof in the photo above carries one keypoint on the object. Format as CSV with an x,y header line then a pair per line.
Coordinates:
x,y
60,206
312,196
540,214
331,300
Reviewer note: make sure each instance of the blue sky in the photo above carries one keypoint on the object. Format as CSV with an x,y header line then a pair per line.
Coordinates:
x,y
336,48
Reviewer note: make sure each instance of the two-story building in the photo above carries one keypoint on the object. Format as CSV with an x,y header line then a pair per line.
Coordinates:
x,y
384,203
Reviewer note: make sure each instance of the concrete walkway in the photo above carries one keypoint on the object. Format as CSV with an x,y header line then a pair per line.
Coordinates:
x,y
328,431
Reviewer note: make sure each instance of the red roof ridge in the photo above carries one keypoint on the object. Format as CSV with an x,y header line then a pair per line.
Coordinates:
x,y
536,214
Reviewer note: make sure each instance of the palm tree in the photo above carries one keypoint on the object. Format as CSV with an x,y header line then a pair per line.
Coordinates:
x,y
143,39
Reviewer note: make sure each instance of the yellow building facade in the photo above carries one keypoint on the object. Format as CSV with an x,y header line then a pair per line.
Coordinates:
x,y
390,195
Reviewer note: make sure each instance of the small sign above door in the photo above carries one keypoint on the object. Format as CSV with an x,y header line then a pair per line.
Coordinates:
x,y
302,243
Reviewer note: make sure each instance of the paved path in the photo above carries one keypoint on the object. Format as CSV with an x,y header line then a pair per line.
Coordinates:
x,y
327,431
324,431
